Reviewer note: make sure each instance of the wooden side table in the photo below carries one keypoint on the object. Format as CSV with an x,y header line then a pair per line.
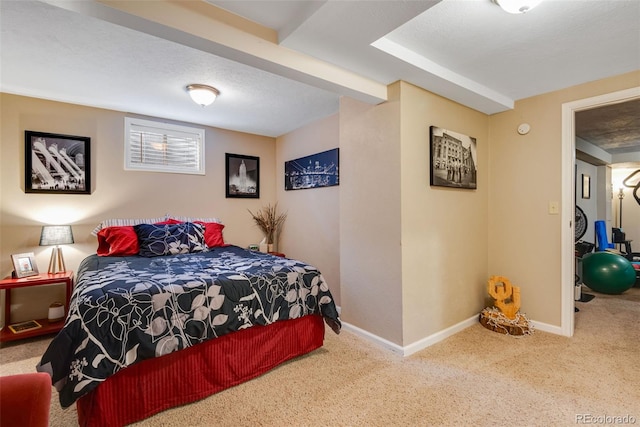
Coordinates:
x,y
42,279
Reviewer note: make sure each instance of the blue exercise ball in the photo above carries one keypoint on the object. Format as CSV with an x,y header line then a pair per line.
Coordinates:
x,y
607,272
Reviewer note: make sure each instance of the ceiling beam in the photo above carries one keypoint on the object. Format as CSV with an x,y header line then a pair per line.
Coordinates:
x,y
202,26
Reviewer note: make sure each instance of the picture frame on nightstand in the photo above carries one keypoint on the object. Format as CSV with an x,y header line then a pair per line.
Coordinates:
x,y
24,265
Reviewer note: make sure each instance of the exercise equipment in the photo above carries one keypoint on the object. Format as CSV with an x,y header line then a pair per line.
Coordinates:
x,y
607,272
602,241
581,223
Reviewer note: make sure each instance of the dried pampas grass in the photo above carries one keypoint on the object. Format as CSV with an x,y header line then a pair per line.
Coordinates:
x,y
269,221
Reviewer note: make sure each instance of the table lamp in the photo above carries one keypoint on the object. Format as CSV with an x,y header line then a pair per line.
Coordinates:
x,y
56,235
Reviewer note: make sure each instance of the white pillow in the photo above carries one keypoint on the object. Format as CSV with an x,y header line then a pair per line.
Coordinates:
x,y
129,221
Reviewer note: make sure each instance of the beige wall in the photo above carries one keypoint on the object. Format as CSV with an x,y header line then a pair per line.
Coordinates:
x,y
444,230
524,176
413,257
116,193
312,230
370,220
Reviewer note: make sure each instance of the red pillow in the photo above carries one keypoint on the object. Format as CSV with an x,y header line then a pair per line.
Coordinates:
x,y
213,233
118,241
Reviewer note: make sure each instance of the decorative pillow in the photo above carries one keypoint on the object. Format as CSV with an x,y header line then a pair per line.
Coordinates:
x,y
168,221
170,239
118,241
213,233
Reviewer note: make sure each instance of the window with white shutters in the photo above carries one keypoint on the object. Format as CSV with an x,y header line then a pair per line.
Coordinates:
x,y
163,147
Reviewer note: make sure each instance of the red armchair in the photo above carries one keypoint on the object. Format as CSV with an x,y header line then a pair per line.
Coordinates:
x,y
25,400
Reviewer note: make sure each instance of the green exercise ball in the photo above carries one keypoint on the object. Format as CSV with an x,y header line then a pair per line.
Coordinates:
x,y
607,272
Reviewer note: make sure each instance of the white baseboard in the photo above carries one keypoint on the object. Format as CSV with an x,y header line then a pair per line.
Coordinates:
x,y
373,338
435,338
416,346
545,327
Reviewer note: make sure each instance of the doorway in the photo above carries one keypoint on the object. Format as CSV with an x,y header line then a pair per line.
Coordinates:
x,y
568,195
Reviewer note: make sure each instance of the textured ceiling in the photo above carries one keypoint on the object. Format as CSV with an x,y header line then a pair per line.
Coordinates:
x,y
614,128
139,56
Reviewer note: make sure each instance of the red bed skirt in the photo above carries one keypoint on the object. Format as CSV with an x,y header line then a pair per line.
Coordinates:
x,y
154,385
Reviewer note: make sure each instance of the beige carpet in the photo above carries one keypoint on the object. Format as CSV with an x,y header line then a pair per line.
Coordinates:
x,y
476,377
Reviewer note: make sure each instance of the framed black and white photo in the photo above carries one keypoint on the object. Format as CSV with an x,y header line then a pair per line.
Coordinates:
x,y
243,176
57,164
314,171
586,186
453,159
24,265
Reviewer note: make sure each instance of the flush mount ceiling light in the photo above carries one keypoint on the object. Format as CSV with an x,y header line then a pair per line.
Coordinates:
x,y
202,94
517,6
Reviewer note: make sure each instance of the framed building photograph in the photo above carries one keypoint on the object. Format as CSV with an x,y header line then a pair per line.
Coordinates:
x,y
586,186
242,176
314,171
24,265
453,159
57,164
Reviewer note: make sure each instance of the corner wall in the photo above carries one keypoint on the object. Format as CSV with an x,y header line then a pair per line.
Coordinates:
x,y
413,257
370,217
444,230
311,232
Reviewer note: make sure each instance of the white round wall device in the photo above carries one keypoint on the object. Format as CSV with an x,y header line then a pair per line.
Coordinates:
x,y
524,128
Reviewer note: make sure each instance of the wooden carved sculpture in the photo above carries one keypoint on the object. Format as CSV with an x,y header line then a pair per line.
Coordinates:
x,y
505,317
506,296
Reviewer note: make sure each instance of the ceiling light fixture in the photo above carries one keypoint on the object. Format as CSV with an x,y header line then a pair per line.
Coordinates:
x,y
517,6
202,94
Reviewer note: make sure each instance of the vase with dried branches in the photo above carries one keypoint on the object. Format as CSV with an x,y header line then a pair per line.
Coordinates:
x,y
270,223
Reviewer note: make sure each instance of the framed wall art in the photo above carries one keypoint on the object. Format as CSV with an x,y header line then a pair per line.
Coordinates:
x,y
586,186
314,171
57,164
242,176
453,159
24,265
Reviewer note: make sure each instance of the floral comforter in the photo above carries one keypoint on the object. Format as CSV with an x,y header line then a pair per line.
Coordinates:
x,y
127,309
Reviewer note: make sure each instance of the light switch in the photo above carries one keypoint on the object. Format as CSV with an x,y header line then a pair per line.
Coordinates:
x,y
554,208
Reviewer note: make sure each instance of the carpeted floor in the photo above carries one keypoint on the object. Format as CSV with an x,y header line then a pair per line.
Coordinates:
x,y
476,377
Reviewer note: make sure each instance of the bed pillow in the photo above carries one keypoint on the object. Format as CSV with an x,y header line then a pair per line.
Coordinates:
x,y
193,219
118,241
170,239
213,233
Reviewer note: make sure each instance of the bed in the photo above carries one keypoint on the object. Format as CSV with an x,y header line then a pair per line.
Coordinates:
x,y
149,331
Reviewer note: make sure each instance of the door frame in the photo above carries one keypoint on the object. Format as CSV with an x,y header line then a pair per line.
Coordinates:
x,y
568,195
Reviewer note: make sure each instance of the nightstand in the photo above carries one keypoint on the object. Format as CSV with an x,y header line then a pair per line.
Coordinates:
x,y
41,279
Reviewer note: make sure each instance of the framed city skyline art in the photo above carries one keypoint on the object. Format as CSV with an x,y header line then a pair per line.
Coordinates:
x,y
242,176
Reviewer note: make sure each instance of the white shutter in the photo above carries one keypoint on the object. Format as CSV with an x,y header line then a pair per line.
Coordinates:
x,y
162,147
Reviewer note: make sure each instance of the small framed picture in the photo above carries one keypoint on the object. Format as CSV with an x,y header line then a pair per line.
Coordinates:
x,y
243,176
57,164
454,162
24,265
586,186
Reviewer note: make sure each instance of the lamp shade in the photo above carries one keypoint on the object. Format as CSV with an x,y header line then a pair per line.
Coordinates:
x,y
202,94
517,6
56,235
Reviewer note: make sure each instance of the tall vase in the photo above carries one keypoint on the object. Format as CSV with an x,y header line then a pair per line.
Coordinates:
x,y
264,246
271,242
